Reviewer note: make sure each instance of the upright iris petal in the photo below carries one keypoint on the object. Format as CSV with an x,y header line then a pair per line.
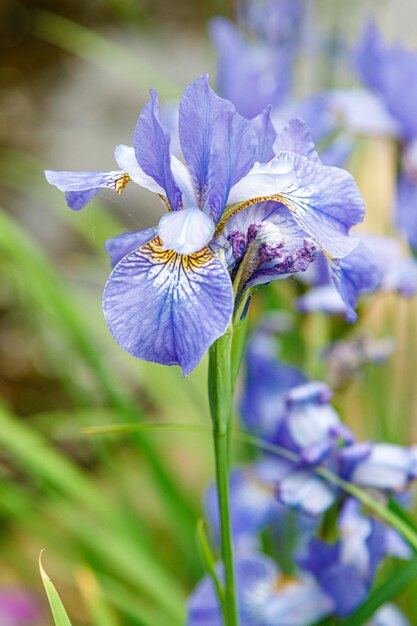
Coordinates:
x,y
151,142
219,146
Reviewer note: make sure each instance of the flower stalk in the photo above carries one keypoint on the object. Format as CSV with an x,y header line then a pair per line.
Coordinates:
x,y
220,398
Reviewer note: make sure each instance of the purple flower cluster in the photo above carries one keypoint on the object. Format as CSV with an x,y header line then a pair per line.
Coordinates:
x,y
336,543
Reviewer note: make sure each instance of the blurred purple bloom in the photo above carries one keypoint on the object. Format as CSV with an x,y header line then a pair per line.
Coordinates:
x,y
376,263
383,466
253,505
264,596
310,426
275,21
397,267
258,52
18,608
388,615
267,380
388,71
339,283
351,562
243,63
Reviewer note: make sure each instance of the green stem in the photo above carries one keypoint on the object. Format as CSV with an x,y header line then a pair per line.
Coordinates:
x,y
220,397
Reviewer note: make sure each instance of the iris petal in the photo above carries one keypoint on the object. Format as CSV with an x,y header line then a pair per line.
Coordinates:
x,y
81,187
121,245
168,308
152,150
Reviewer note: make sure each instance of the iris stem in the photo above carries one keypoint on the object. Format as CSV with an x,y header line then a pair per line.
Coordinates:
x,y
220,398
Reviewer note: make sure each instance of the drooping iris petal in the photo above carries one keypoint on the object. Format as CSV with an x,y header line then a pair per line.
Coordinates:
x,y
353,275
151,144
186,231
295,137
121,245
168,308
266,134
81,187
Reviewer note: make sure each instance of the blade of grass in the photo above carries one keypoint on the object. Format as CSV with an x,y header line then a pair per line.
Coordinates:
x,y
58,611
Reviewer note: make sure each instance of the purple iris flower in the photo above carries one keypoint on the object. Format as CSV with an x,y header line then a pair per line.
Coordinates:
x,y
264,597
351,561
233,212
388,70
258,52
262,405
18,608
383,466
254,506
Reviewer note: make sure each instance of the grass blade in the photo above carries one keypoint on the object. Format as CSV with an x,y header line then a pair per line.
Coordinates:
x,y
58,611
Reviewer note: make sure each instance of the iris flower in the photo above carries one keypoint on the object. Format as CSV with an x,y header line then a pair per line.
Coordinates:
x,y
363,544
170,295
265,597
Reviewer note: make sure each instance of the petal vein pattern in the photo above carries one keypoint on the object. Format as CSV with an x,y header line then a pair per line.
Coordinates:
x,y
166,307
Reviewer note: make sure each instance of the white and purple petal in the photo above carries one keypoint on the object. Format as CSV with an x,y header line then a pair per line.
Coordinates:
x,y
81,187
168,308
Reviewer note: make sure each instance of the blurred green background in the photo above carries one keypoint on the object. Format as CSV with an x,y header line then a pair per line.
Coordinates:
x,y
117,514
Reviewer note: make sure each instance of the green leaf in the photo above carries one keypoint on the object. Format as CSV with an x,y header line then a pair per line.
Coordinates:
x,y
58,611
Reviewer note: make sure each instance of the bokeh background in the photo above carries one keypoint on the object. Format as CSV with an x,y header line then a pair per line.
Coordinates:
x,y
116,514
